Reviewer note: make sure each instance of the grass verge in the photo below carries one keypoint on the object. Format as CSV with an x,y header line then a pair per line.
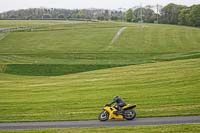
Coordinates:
x,y
185,128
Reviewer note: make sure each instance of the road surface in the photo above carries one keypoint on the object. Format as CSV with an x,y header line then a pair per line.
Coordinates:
x,y
95,123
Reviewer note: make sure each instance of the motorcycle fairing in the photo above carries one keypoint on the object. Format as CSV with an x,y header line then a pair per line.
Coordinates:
x,y
111,111
129,106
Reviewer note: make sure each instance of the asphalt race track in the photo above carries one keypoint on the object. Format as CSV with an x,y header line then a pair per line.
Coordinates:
x,y
96,123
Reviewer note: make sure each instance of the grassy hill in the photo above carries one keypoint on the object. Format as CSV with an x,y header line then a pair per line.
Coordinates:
x,y
68,71
96,37
87,45
160,39
160,89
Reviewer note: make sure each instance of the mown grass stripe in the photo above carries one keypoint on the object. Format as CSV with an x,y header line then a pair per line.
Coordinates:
x,y
2,68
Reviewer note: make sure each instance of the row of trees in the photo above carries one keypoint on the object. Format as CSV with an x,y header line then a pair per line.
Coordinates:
x,y
178,14
141,15
53,13
170,14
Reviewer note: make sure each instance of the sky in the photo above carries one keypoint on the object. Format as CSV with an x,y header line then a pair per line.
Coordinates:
x,y
6,5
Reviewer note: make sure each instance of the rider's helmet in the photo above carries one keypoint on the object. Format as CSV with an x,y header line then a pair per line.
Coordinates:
x,y
115,97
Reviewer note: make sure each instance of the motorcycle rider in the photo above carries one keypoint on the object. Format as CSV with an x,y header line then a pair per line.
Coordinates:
x,y
119,104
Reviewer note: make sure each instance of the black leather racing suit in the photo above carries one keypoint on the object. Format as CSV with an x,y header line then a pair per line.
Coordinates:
x,y
119,103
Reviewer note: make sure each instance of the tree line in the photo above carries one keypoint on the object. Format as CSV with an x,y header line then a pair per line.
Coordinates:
x,y
179,14
169,14
62,14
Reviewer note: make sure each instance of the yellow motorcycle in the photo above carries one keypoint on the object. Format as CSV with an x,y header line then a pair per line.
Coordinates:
x,y
111,112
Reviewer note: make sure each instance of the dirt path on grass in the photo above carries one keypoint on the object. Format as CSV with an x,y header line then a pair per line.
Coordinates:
x,y
96,123
117,35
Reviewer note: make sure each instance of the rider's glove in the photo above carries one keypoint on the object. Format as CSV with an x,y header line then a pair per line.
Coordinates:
x,y
107,105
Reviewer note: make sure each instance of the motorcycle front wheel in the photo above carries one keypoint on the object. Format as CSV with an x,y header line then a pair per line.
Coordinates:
x,y
104,116
129,114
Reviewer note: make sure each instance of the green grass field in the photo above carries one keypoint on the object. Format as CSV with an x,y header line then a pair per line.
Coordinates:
x,y
68,71
16,23
160,89
192,128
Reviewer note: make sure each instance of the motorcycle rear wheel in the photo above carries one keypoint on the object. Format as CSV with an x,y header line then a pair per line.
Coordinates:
x,y
129,114
104,116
